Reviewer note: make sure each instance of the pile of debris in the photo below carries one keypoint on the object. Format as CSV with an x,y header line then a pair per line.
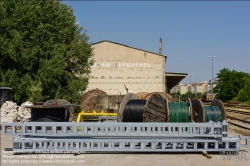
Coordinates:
x,y
11,112
8,112
23,113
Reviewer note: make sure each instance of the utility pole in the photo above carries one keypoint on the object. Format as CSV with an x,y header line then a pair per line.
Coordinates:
x,y
190,94
160,48
212,71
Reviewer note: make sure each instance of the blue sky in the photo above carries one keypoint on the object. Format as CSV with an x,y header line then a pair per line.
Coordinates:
x,y
191,31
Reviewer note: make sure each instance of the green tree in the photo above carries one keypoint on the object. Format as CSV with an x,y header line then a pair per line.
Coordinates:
x,y
176,95
244,93
44,54
230,83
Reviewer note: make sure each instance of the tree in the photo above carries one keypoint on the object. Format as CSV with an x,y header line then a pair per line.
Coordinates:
x,y
44,54
244,93
230,83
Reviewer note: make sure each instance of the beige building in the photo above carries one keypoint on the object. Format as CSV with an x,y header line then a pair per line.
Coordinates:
x,y
200,87
117,65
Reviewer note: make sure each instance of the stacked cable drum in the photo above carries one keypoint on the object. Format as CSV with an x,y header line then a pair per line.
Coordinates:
x,y
157,108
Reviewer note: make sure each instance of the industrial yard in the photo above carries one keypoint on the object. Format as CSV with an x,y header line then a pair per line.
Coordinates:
x,y
235,113
124,83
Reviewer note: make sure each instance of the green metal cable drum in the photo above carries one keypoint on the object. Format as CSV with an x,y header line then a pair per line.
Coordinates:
x,y
178,112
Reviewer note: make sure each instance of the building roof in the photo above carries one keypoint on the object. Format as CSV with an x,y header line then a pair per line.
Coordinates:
x,y
174,78
127,46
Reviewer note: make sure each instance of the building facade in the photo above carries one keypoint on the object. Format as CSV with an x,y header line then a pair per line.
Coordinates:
x,y
117,65
199,87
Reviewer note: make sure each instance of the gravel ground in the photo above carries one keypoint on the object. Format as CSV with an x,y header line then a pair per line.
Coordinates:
x,y
239,116
107,159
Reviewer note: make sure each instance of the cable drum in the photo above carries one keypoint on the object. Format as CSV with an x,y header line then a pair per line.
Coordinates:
x,y
133,111
129,96
178,112
152,109
213,113
218,103
197,111
63,112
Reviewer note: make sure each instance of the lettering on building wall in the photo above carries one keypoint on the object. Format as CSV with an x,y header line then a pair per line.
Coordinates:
x,y
126,65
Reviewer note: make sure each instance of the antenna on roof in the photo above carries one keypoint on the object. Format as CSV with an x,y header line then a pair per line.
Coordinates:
x,y
126,88
160,49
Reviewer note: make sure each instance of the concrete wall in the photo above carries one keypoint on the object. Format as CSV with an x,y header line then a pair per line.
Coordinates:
x,y
116,65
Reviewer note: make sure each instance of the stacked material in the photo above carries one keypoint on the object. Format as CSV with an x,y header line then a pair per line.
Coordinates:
x,y
23,113
8,112
11,112
72,137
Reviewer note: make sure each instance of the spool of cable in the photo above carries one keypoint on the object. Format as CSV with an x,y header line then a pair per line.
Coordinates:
x,y
197,112
133,111
218,103
215,112
164,95
189,103
140,110
178,112
212,113
125,100
155,109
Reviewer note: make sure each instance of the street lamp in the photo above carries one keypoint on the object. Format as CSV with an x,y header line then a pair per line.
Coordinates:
x,y
190,85
212,71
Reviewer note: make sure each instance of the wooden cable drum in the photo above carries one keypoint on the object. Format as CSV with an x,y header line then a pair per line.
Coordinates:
x,y
142,95
189,103
165,95
215,112
155,109
140,110
125,100
197,111
218,103
55,110
88,99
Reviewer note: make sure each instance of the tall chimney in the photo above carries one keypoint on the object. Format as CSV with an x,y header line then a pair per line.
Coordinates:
x,y
160,49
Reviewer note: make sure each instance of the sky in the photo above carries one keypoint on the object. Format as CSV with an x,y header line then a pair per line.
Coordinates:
x,y
191,31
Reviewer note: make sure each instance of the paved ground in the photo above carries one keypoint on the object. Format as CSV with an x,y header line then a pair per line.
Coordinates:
x,y
141,159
